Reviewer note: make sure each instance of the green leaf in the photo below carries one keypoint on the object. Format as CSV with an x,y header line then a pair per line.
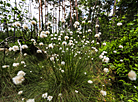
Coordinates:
x,y
136,65
9,16
8,4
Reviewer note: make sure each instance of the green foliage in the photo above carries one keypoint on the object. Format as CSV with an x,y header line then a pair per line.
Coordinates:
x,y
124,60
73,65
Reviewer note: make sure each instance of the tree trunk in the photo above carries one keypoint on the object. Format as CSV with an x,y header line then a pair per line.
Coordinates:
x,y
64,9
90,12
14,21
73,5
97,23
59,13
53,17
41,13
70,16
45,16
47,12
39,16
76,6
114,10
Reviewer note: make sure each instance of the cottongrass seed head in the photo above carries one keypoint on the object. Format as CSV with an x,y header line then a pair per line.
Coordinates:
x,y
106,70
21,73
30,100
49,98
103,92
44,95
90,82
132,75
18,79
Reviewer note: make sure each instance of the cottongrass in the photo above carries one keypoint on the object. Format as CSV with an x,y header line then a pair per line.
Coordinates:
x,y
64,43
76,91
62,63
15,64
103,92
119,24
17,24
60,94
96,25
52,58
15,48
22,73
24,46
105,59
106,70
104,44
132,75
33,22
30,100
22,62
18,79
25,26
49,98
45,95
5,66
43,35
39,51
97,35
90,82
25,54
20,92
41,44
120,46
114,51
50,46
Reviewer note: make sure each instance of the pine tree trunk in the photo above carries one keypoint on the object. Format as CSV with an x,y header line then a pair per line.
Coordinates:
x,y
70,16
97,23
76,5
90,12
59,13
39,16
73,5
64,9
41,13
45,16
114,10
53,17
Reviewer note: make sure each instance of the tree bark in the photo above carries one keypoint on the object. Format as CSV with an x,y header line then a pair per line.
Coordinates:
x,y
59,13
14,21
53,16
39,16
76,5
41,13
114,10
70,16
90,12
45,16
73,5
64,9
